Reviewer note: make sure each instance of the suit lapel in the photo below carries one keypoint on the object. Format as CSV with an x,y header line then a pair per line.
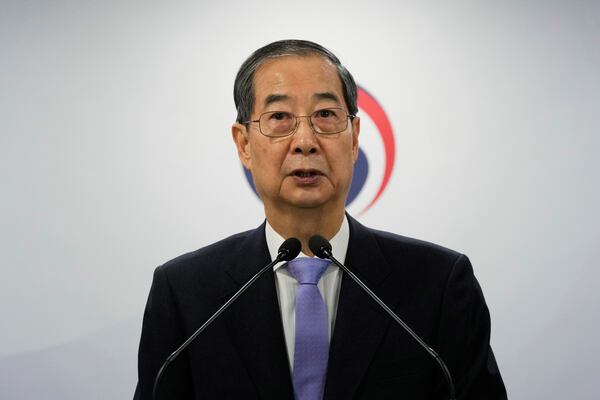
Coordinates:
x,y
360,323
255,322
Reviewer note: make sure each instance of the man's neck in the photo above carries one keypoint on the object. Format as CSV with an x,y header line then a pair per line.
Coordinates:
x,y
304,223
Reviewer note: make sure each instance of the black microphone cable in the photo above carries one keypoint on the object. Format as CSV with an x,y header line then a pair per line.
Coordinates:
x,y
287,252
322,249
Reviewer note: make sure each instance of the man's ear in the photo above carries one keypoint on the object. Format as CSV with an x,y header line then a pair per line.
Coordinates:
x,y
239,133
355,133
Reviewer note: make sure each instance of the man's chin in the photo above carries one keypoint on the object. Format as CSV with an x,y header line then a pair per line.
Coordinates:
x,y
302,199
309,201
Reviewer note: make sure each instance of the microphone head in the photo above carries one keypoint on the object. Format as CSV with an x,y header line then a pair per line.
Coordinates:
x,y
319,246
289,249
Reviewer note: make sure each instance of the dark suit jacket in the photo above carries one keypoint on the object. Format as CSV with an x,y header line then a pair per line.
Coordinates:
x,y
243,354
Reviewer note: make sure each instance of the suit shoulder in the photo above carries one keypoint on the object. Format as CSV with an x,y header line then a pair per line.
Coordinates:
x,y
212,255
407,247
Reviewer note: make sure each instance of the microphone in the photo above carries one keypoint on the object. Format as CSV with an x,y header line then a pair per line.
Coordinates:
x,y
288,250
322,249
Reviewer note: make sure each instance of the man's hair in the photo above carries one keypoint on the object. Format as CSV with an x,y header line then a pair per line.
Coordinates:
x,y
243,89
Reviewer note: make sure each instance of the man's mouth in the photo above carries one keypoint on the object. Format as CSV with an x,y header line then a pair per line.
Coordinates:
x,y
306,173
307,177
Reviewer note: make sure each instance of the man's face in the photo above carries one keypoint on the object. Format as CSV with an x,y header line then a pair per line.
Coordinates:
x,y
304,170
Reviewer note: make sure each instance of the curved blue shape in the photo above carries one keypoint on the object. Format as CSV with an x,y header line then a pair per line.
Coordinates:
x,y
250,180
361,171
359,177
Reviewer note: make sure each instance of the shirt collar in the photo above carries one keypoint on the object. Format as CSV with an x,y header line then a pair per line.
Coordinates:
x,y
339,242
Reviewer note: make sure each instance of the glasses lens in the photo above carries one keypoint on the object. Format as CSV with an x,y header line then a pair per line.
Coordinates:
x,y
329,120
277,123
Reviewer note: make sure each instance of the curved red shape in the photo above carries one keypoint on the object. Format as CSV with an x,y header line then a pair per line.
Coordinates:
x,y
373,109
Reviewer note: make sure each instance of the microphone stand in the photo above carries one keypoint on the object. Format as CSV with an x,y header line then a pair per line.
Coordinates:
x,y
325,252
288,251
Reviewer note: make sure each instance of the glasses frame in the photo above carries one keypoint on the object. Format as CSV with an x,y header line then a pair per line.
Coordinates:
x,y
297,122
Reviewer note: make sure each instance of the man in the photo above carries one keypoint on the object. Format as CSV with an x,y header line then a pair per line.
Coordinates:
x,y
297,132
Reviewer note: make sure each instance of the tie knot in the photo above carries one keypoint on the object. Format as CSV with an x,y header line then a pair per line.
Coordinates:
x,y
307,270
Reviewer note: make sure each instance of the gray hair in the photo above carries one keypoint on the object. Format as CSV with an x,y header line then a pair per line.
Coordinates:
x,y
243,89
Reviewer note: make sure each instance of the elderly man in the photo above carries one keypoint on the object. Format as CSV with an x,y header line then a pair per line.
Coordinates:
x,y
305,330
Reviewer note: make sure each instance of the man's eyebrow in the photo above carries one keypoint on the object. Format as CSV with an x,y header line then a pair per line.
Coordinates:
x,y
327,96
274,98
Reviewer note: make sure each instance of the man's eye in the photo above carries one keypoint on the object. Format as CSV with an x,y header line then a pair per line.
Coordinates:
x,y
325,113
279,116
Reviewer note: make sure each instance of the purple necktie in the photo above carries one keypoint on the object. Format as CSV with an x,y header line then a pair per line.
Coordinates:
x,y
311,350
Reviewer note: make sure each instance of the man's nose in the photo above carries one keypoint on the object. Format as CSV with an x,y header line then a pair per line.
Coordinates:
x,y
304,140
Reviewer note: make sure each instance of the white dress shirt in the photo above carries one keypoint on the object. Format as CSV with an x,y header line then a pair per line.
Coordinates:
x,y
286,284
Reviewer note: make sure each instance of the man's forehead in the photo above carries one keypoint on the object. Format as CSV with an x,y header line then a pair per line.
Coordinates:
x,y
280,78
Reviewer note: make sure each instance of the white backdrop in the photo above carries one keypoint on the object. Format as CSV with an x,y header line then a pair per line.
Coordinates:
x,y
115,156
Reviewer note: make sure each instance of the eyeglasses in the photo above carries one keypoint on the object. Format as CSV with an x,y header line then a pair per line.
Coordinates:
x,y
326,121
